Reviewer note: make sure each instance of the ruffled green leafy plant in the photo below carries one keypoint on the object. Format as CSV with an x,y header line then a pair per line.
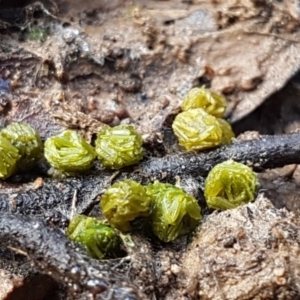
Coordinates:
x,y
123,202
119,147
197,130
69,153
9,157
212,102
174,212
99,240
229,185
28,142
199,126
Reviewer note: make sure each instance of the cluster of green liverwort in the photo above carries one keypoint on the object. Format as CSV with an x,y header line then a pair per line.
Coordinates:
x,y
169,210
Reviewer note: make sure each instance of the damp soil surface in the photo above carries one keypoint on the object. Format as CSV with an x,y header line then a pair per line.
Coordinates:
x,y
83,65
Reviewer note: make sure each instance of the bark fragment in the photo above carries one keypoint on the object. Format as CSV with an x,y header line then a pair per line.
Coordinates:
x,y
264,152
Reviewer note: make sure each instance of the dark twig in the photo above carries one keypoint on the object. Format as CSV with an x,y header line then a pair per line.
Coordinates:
x,y
265,152
53,200
52,253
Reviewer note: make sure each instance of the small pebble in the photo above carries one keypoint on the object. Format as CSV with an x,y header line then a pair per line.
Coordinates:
x,y
175,269
38,183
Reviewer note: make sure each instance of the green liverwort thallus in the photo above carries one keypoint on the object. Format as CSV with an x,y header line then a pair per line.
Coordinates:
x,y
229,185
99,240
174,212
69,153
119,146
197,130
9,157
123,202
28,142
199,126
212,102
